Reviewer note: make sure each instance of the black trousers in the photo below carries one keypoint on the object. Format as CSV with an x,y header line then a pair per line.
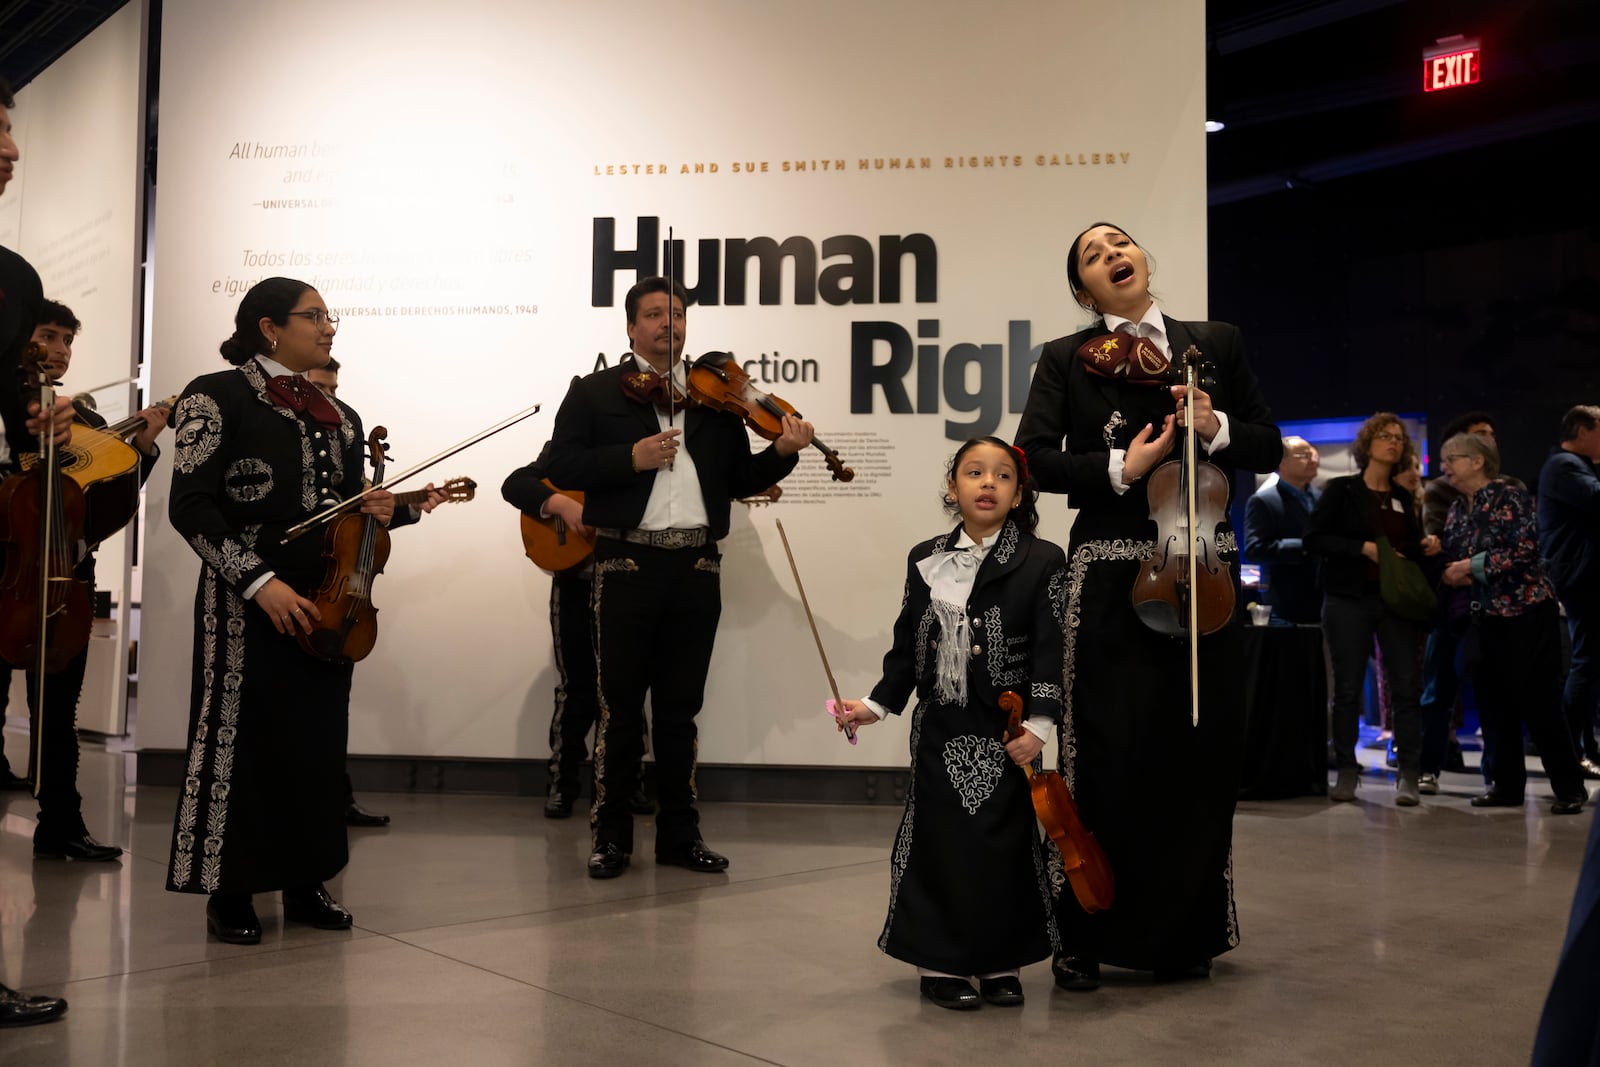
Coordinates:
x,y
1519,681
1349,624
1580,700
655,618
577,696
60,805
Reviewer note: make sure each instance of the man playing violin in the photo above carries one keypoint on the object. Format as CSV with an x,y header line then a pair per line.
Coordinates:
x,y
659,480
20,294
61,833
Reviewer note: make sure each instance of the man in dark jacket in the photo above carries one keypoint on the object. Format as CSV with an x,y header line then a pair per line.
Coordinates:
x,y
1569,541
659,479
1275,521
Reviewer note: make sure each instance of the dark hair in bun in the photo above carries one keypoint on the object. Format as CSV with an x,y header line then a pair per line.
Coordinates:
x,y
271,298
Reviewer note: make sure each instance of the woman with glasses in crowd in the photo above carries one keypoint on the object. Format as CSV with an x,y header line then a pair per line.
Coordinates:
x,y
1492,542
1352,514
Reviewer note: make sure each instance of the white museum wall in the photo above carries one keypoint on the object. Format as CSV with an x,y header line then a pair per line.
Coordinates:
x,y
440,184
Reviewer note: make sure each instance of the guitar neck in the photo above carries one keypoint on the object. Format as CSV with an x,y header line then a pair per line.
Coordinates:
x,y
410,498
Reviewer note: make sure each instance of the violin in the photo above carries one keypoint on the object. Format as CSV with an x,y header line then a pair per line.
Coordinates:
x,y
1185,587
1088,870
717,381
1184,576
45,613
356,547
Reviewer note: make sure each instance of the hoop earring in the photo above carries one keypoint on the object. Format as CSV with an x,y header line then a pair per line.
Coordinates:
x,y
949,500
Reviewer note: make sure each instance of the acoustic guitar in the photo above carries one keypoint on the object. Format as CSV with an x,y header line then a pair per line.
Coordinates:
x,y
550,543
456,491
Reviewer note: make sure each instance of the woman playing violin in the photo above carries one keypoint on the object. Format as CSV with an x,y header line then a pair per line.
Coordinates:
x,y
1157,790
259,449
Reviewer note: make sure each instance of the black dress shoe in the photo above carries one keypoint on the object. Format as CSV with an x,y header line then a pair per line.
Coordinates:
x,y
356,815
82,848
1496,799
19,1009
640,803
1179,974
1569,806
608,861
558,807
695,857
1079,976
1003,992
956,994
233,919
10,781
315,907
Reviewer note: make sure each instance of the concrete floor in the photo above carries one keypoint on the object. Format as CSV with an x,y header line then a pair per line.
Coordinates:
x,y
1370,934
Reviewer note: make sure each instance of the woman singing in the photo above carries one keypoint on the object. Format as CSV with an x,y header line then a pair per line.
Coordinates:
x,y
1157,791
259,449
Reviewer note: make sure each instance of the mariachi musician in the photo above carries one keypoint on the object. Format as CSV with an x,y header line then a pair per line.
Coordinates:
x,y
659,481
1155,788
259,449
20,296
576,707
61,833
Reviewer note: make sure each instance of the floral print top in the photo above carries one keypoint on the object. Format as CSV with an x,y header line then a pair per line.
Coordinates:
x,y
1496,529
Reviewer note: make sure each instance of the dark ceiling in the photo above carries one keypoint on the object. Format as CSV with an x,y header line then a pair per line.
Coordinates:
x,y
1311,91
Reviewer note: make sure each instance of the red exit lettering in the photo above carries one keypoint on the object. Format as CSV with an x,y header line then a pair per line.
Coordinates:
x,y
1450,71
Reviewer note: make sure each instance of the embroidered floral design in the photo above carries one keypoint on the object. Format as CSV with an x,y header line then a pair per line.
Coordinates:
x,y
199,430
902,838
225,713
1007,545
708,564
248,480
227,557
974,765
1082,556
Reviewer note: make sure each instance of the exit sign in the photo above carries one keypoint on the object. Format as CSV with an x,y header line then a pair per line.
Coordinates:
x,y
1450,63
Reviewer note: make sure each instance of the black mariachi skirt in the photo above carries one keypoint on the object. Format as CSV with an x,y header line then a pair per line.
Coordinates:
x,y
262,805
968,893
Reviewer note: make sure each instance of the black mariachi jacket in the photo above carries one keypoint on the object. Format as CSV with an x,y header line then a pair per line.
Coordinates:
x,y
245,468
591,449
1016,614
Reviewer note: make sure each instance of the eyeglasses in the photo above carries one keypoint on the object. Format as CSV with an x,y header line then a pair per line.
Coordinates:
x,y
1451,457
1389,435
317,317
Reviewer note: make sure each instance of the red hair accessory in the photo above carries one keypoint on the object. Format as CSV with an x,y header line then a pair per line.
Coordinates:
x,y
1022,464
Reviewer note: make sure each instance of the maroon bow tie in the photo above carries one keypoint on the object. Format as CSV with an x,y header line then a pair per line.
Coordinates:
x,y
648,387
299,395
1134,359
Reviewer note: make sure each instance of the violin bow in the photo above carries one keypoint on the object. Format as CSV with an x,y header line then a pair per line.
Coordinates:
x,y
49,532
342,506
1191,359
849,731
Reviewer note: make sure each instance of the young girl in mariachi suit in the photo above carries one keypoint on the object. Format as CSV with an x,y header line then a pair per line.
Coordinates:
x,y
982,614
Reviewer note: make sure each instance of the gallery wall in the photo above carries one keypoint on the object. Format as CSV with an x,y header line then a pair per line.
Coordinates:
x,y
473,188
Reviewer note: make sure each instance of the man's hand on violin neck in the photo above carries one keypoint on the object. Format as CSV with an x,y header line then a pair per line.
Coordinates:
x,y
796,436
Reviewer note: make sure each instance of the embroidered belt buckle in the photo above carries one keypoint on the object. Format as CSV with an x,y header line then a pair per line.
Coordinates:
x,y
672,539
